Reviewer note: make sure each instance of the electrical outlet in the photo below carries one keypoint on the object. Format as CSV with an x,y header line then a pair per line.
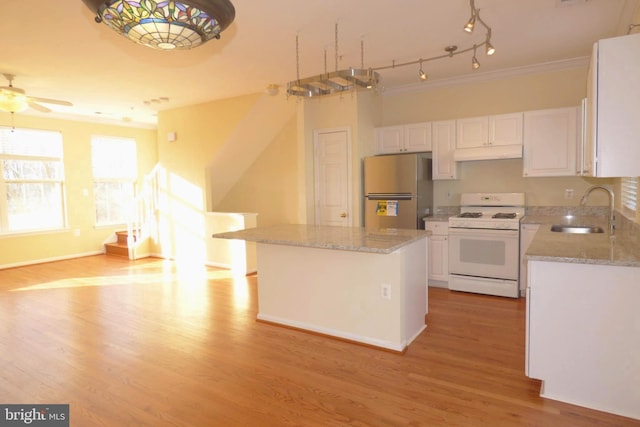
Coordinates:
x,y
568,193
385,291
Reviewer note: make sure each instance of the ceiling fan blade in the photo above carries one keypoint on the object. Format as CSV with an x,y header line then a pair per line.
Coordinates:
x,y
39,107
11,89
51,101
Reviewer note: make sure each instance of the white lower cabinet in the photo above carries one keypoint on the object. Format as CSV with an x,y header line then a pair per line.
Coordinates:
x,y
438,253
583,334
527,232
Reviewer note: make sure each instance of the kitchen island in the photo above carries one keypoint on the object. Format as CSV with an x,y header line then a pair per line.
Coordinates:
x,y
361,285
583,332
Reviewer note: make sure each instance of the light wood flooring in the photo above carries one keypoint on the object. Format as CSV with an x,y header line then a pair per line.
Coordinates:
x,y
155,343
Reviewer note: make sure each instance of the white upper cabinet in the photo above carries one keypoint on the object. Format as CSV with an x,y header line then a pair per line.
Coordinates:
x,y
550,142
417,137
488,131
613,108
472,132
389,139
444,144
505,129
403,139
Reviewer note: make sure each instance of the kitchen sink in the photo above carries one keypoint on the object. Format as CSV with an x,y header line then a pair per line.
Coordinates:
x,y
576,229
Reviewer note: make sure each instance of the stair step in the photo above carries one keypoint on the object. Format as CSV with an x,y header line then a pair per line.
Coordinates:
x,y
116,248
123,236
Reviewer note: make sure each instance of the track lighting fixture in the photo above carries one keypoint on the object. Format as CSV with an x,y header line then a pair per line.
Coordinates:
x,y
474,61
352,78
472,21
421,73
490,49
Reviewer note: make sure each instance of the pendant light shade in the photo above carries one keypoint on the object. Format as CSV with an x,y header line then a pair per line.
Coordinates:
x,y
165,25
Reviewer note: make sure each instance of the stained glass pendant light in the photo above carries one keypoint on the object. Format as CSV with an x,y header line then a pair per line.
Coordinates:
x,y
165,25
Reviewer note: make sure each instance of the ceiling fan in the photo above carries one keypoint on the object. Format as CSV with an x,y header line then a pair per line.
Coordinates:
x,y
15,100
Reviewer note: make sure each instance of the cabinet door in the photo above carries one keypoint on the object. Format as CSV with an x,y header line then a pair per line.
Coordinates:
x,y
550,138
439,258
444,142
472,132
617,106
389,139
527,232
417,137
505,129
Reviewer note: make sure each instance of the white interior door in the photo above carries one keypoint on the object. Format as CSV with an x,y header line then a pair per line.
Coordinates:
x,y
332,160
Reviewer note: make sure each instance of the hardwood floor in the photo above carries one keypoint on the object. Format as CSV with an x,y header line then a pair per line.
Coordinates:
x,y
154,343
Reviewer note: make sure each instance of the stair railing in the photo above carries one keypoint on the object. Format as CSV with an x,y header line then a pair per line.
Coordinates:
x,y
142,219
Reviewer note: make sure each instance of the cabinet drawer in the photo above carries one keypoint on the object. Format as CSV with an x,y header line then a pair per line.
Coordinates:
x,y
440,228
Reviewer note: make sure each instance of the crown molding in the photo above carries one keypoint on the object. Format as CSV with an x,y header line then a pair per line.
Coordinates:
x,y
545,67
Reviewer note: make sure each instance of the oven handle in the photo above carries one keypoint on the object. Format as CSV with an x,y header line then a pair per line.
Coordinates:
x,y
483,232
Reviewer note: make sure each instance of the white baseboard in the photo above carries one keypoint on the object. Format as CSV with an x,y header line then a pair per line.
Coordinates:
x,y
399,347
52,259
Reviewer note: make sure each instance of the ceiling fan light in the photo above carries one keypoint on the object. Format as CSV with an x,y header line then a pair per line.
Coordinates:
x,y
165,25
13,104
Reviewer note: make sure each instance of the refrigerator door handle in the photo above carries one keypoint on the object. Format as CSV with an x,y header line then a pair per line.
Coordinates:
x,y
390,196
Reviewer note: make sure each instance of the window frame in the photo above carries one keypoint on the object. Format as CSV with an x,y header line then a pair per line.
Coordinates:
x,y
57,157
130,179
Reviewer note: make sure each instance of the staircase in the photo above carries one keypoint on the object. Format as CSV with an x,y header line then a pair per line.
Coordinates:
x,y
121,246
142,221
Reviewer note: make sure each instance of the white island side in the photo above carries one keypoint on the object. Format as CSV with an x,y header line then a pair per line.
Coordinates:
x,y
362,285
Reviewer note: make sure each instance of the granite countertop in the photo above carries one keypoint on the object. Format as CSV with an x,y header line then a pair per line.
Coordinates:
x,y
596,248
382,241
436,218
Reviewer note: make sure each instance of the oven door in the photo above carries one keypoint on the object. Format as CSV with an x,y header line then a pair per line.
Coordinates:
x,y
484,253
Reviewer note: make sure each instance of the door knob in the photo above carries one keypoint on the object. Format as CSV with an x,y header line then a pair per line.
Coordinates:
x,y
343,215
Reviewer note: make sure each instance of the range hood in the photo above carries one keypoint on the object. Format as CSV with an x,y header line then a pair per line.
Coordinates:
x,y
494,152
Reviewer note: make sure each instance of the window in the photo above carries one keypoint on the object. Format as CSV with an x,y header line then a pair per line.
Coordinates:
x,y
31,180
630,193
114,174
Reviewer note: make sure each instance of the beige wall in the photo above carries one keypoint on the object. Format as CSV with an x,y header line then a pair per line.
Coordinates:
x,y
555,89
30,247
231,155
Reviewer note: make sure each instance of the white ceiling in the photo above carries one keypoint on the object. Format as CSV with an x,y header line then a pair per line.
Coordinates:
x,y
56,50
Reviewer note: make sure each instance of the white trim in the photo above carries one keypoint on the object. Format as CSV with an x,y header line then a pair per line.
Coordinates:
x,y
545,67
340,334
52,259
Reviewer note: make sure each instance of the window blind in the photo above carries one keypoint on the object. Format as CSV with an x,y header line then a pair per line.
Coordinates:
x,y
630,193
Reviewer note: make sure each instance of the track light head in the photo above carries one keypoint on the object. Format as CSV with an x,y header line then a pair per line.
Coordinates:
x,y
470,23
474,61
489,48
423,76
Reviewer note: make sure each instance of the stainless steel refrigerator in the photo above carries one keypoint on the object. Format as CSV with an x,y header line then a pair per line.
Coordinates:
x,y
398,190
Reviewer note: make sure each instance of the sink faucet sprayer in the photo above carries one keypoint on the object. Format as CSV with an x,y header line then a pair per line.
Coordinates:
x,y
583,201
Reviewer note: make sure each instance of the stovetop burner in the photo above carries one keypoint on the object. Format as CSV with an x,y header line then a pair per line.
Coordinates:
x,y
504,215
470,215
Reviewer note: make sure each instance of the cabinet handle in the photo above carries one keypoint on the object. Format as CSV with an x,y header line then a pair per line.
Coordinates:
x,y
343,215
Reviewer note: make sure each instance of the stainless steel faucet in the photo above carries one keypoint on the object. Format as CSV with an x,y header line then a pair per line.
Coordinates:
x,y
583,201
